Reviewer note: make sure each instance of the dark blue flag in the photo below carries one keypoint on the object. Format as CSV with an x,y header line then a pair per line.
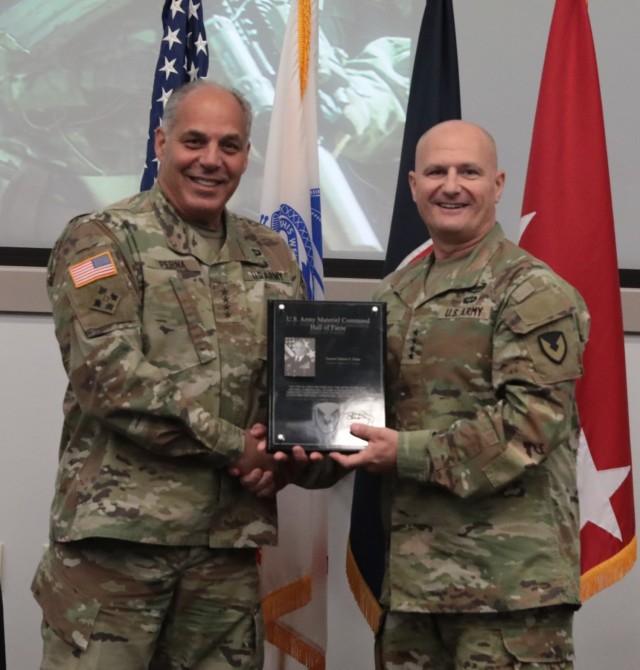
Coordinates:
x,y
183,57
434,96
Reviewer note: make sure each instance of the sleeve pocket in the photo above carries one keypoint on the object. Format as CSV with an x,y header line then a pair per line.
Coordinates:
x,y
104,305
546,328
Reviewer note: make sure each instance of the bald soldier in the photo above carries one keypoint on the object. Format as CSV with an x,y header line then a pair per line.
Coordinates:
x,y
159,305
479,457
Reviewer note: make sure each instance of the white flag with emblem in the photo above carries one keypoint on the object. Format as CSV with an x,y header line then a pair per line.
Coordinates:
x,y
293,575
290,202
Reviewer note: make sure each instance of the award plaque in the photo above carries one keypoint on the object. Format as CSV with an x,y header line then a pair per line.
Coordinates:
x,y
326,371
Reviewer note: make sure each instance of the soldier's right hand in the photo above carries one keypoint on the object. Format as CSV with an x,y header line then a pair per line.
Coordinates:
x,y
252,457
255,469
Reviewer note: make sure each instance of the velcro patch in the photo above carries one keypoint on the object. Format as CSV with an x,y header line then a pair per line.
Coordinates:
x,y
96,267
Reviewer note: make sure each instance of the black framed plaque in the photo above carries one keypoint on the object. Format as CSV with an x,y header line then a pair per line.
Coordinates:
x,y
326,371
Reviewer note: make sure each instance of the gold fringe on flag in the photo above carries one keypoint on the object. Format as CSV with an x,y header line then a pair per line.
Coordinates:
x,y
367,602
295,645
281,601
286,599
608,572
304,42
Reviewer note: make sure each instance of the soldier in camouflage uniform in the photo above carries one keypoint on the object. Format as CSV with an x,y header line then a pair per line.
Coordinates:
x,y
159,305
479,459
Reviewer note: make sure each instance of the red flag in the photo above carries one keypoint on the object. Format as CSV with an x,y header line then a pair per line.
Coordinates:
x,y
568,223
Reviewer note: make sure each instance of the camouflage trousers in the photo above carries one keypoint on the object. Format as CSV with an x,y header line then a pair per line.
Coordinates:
x,y
536,639
116,605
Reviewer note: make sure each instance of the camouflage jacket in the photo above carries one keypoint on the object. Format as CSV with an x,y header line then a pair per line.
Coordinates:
x,y
163,342
483,356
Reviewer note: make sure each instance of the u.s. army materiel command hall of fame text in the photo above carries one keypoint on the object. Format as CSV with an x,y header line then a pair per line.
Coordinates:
x,y
326,371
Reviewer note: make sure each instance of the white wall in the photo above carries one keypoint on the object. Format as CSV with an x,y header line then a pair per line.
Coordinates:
x,y
31,391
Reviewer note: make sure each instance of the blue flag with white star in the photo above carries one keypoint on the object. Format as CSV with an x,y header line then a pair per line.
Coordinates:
x,y
183,57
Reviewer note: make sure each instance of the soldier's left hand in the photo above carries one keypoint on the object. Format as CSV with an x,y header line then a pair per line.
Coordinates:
x,y
265,483
292,465
380,454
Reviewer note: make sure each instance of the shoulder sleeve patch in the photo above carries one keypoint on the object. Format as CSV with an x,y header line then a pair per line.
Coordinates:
x,y
106,302
553,345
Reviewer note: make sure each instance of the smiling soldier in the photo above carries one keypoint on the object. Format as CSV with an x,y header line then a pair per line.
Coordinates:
x,y
479,456
159,305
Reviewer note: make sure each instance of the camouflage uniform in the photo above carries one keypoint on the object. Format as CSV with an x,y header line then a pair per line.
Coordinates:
x,y
162,337
483,356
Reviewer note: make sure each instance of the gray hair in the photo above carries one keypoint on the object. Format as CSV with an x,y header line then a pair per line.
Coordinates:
x,y
171,108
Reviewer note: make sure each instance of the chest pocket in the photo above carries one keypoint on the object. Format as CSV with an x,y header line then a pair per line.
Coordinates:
x,y
239,303
238,319
198,332
178,324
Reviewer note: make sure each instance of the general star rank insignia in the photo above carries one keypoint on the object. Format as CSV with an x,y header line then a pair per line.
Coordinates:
x,y
105,301
553,345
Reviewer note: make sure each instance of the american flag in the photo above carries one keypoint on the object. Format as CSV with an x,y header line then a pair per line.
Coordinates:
x,y
93,268
183,57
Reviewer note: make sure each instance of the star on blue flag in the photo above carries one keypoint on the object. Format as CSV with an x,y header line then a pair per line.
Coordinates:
x,y
183,57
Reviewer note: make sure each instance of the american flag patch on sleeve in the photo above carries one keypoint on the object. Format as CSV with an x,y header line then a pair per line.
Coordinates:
x,y
93,268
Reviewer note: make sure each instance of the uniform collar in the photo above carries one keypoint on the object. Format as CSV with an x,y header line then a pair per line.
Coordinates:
x,y
186,239
465,272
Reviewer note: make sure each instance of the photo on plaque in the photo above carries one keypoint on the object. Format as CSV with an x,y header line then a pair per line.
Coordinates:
x,y
326,371
299,357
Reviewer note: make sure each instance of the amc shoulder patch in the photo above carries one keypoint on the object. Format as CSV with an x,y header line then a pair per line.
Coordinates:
x,y
553,345
93,268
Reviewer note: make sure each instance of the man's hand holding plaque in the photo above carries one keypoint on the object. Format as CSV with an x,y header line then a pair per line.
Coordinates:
x,y
326,372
